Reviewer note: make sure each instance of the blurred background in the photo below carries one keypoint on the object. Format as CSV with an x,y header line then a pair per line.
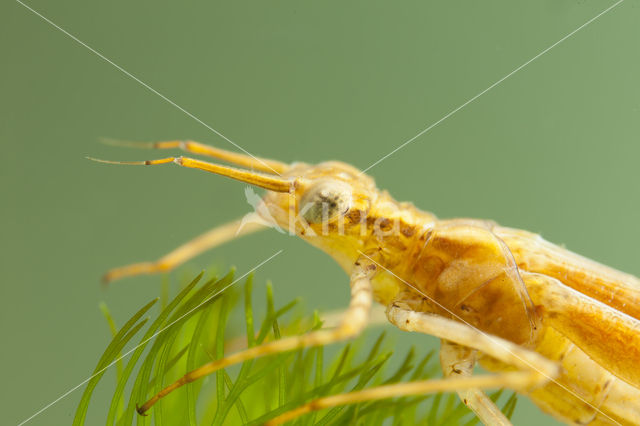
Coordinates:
x,y
552,149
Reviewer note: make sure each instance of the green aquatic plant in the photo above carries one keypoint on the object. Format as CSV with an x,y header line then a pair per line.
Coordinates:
x,y
193,328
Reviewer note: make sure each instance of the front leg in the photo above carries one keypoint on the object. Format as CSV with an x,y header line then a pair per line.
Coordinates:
x,y
210,239
353,322
458,361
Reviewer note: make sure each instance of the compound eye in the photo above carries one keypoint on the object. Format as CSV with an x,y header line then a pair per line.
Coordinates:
x,y
325,200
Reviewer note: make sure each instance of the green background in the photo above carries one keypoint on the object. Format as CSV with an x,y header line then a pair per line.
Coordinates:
x,y
553,149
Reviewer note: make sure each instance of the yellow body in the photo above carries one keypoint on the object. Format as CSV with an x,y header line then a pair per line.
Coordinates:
x,y
504,282
488,276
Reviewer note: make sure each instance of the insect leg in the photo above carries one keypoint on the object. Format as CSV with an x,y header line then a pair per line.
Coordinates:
x,y
538,369
262,164
353,322
458,361
514,378
534,368
212,238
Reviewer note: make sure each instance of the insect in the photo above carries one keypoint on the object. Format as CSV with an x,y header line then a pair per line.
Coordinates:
x,y
552,325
